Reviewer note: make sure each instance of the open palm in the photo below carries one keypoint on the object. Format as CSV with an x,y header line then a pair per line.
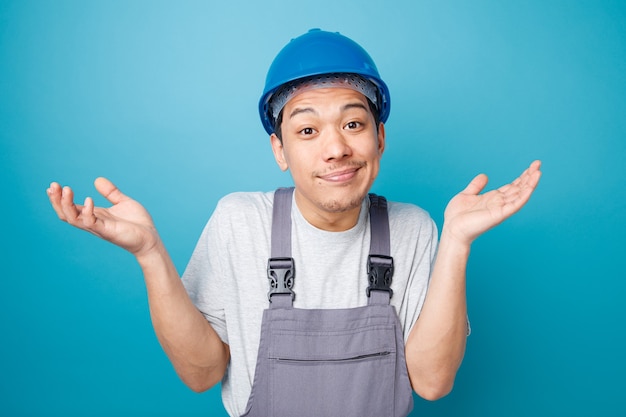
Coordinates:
x,y
469,213
126,223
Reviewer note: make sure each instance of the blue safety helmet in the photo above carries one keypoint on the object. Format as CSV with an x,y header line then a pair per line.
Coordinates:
x,y
319,52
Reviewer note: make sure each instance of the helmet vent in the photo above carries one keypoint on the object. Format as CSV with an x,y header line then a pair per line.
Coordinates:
x,y
337,80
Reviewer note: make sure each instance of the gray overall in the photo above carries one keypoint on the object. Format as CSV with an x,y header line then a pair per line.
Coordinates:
x,y
330,362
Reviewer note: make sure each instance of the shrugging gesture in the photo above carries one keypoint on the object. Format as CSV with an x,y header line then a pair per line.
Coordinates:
x,y
196,351
469,214
436,345
126,224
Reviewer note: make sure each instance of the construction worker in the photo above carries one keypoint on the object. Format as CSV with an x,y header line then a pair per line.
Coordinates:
x,y
321,299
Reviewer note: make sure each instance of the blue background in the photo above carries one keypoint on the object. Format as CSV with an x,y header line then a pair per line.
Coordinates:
x,y
161,98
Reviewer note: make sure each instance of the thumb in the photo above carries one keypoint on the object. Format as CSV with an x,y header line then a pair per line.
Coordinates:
x,y
476,185
109,190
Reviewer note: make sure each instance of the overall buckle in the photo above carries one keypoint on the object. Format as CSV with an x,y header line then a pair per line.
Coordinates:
x,y
379,273
281,272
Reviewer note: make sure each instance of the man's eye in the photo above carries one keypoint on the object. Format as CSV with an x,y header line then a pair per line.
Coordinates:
x,y
307,131
353,125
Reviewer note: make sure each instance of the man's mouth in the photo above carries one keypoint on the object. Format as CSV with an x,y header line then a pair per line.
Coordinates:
x,y
342,174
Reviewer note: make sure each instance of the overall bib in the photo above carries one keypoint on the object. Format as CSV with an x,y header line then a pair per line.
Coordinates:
x,y
330,362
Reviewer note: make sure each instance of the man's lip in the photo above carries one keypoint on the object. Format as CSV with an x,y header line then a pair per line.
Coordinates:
x,y
339,176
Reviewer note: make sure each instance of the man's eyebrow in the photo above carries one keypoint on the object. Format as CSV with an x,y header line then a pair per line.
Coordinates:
x,y
355,105
299,110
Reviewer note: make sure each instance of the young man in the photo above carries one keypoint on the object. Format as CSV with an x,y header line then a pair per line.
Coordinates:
x,y
317,339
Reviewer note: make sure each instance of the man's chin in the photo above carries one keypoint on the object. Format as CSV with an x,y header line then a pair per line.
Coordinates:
x,y
341,205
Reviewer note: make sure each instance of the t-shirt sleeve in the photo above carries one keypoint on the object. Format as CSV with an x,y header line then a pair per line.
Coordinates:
x,y
413,246
201,277
420,271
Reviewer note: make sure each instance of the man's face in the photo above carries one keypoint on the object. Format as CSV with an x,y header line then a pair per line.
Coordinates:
x,y
333,148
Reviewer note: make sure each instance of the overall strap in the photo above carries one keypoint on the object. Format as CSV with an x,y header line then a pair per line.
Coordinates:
x,y
281,270
380,262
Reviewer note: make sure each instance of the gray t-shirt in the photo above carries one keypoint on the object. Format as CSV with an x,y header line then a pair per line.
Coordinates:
x,y
226,277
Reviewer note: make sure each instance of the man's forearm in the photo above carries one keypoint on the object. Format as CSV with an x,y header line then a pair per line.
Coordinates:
x,y
194,348
436,344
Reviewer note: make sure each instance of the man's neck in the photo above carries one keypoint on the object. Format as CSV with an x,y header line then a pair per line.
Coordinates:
x,y
328,221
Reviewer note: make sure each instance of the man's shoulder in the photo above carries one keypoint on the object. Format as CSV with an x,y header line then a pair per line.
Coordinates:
x,y
243,212
409,220
246,200
407,211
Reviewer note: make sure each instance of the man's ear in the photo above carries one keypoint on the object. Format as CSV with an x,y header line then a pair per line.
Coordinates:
x,y
279,154
381,138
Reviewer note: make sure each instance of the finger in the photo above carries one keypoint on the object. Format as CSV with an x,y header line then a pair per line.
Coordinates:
x,y
476,185
528,176
88,215
528,181
534,177
535,166
70,210
54,195
531,171
507,188
517,203
518,196
515,186
109,190
521,179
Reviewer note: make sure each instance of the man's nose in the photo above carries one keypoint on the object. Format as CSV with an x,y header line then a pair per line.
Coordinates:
x,y
336,146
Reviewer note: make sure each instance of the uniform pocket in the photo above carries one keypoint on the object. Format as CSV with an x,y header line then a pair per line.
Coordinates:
x,y
333,373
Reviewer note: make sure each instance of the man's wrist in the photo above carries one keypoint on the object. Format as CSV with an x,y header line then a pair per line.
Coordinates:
x,y
451,241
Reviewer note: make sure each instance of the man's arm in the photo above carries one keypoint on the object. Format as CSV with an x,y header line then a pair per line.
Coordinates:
x,y
194,348
436,344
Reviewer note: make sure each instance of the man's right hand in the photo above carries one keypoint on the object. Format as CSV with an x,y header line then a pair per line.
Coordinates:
x,y
126,224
